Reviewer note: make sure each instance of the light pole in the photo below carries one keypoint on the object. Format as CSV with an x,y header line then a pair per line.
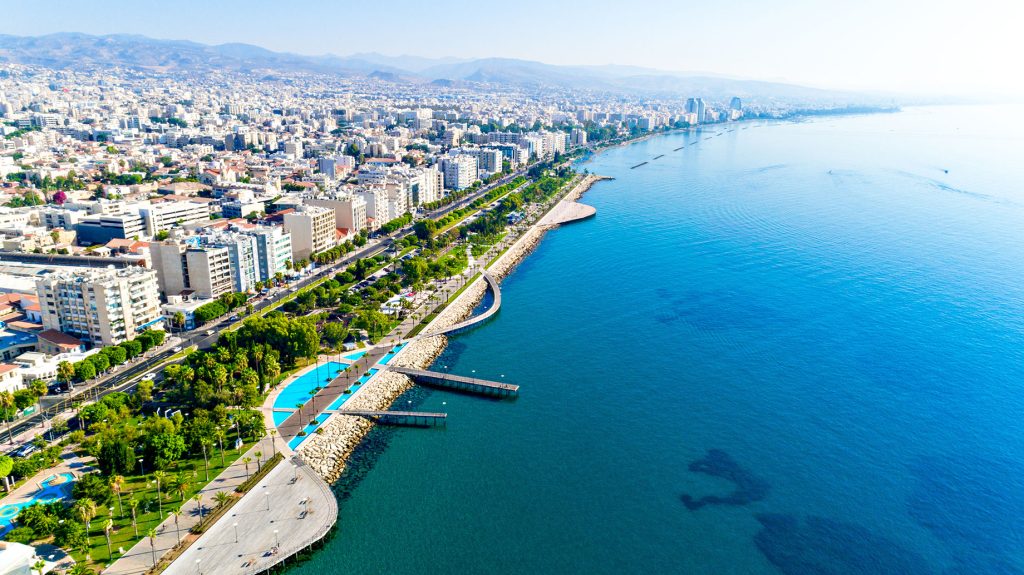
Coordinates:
x,y
236,531
199,571
277,541
267,494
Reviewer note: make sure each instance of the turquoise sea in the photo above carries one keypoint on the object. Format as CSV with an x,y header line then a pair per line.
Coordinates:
x,y
789,347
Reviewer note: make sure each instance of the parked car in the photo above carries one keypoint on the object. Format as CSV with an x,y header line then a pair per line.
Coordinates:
x,y
26,450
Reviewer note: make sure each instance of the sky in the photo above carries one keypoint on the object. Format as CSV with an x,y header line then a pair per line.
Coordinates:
x,y
934,47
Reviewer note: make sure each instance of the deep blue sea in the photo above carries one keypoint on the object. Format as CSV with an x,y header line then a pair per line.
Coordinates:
x,y
789,347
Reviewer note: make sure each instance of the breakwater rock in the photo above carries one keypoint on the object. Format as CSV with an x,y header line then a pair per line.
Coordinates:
x,y
331,445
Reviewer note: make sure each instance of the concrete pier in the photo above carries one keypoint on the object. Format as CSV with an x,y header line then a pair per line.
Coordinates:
x,y
458,382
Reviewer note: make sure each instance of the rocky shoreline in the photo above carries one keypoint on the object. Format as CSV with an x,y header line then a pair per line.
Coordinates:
x,y
329,449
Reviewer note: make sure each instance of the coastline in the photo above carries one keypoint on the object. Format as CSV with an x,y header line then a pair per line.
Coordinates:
x,y
327,453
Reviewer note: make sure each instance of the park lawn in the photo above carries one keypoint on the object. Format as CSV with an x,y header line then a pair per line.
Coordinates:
x,y
148,513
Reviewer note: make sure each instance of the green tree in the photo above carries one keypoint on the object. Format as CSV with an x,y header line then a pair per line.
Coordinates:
x,y
84,370
116,457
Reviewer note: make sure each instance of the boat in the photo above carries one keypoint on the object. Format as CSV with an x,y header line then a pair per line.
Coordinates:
x,y
638,165
659,156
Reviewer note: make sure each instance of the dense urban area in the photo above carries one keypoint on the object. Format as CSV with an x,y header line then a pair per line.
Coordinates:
x,y
173,248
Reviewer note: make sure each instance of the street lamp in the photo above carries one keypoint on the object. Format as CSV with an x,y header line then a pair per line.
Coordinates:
x,y
236,531
277,541
267,493
197,567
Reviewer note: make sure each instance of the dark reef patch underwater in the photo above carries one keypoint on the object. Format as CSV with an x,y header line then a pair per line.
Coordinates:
x,y
717,463
821,546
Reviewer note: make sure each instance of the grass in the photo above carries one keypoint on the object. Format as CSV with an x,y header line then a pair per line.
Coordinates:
x,y
148,516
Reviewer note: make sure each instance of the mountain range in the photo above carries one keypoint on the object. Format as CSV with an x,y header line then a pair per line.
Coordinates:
x,y
83,52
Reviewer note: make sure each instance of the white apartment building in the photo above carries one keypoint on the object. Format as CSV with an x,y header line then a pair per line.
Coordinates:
x,y
100,306
459,171
243,257
312,229
376,206
273,250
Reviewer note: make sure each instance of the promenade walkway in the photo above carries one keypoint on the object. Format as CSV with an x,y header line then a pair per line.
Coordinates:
x,y
139,558
277,519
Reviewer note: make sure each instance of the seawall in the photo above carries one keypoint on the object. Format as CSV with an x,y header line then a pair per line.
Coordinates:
x,y
330,447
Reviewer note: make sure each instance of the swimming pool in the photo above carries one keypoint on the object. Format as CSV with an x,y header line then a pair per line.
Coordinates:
x,y
391,354
336,404
54,488
298,391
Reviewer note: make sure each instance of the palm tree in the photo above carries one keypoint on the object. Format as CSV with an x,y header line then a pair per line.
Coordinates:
x,y
80,569
259,463
222,498
86,509
160,476
179,321
219,434
273,443
7,404
152,544
247,461
133,504
177,530
117,486
39,566
181,485
198,498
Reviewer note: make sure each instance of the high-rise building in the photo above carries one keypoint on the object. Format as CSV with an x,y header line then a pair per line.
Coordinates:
x,y
459,171
188,265
736,103
273,250
578,137
312,229
100,306
698,107
243,257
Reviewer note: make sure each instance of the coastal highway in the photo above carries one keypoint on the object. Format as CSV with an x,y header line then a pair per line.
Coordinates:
x,y
129,375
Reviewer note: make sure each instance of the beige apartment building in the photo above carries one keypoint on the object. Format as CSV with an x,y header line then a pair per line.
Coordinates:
x,y
312,229
349,211
100,306
186,266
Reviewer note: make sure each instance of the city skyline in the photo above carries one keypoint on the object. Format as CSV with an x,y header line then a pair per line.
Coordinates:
x,y
908,47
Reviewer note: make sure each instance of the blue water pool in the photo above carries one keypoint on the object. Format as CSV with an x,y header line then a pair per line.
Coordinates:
x,y
54,488
391,354
298,391
280,417
355,356
309,429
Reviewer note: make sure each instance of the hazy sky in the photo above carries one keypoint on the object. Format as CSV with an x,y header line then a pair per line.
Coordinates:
x,y
921,46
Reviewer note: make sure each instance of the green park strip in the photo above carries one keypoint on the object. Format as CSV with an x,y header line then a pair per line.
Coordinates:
x,y
181,481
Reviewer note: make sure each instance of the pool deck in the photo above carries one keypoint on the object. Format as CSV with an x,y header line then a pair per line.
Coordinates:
x,y
70,463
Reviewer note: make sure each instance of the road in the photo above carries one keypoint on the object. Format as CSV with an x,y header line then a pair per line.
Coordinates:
x,y
128,376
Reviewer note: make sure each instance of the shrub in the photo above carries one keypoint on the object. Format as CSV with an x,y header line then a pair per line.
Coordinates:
x,y
23,535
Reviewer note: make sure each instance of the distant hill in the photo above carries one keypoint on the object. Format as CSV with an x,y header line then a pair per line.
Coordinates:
x,y
83,51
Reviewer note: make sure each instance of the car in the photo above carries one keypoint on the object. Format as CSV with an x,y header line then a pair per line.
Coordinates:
x,y
149,376
209,332
176,349
26,450
234,317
